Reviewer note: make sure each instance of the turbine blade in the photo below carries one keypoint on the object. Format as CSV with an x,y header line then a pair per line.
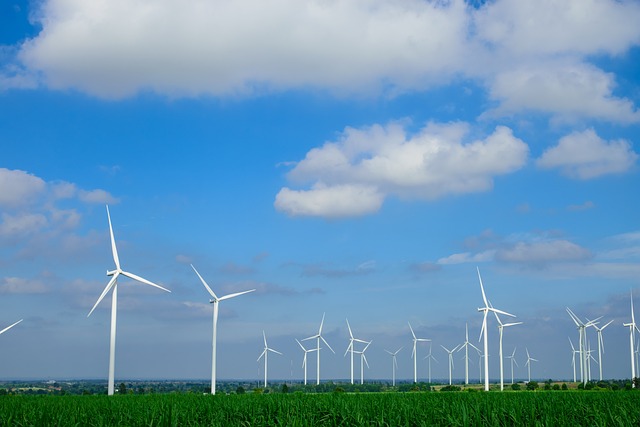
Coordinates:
x,y
512,324
607,324
265,339
205,284
275,351
145,281
234,295
349,326
105,291
484,324
349,347
412,333
301,346
9,327
367,346
495,310
325,341
114,250
261,354
484,296
575,318
364,357
321,323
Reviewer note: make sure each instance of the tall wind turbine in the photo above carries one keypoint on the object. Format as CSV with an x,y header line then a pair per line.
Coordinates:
x,y
215,300
582,345
429,357
113,284
513,360
601,345
350,347
265,354
529,360
573,359
394,364
319,337
363,361
10,326
632,330
486,309
414,354
501,327
304,359
466,345
450,359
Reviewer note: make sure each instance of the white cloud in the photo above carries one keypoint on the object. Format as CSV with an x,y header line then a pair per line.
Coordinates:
x,y
353,175
19,187
584,155
18,285
543,251
97,196
467,257
22,225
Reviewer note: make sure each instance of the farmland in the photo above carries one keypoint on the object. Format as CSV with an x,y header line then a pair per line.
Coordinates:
x,y
346,409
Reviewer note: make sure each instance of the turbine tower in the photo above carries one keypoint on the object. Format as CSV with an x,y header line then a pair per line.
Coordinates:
x,y
215,301
450,359
414,354
601,345
529,360
265,354
573,359
363,361
632,330
350,347
501,327
466,345
582,345
429,357
113,284
394,364
513,360
319,337
486,309
304,359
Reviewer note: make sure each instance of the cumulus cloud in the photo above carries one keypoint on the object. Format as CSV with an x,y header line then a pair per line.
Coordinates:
x,y
19,187
18,285
323,270
117,48
584,155
543,251
353,175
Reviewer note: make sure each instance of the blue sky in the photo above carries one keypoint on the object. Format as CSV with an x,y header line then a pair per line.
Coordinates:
x,y
354,158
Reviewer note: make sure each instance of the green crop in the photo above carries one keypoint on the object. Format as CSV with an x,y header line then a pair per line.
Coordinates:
x,y
335,409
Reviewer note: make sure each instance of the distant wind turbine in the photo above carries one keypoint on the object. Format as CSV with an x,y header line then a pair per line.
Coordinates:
x,y
501,327
582,345
573,359
450,359
394,364
486,309
113,284
304,359
265,354
215,300
632,330
363,361
429,357
319,337
529,360
414,354
466,345
601,345
350,348
513,360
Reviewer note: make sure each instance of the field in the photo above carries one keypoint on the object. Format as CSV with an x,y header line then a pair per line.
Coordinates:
x,y
541,408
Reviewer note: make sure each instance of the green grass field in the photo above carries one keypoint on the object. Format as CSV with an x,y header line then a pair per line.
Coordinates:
x,y
541,408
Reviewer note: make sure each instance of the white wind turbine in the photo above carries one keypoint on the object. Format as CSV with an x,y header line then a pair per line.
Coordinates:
x,y
632,330
513,360
582,345
319,337
265,354
601,345
10,326
501,327
573,359
304,359
414,354
466,345
363,361
215,300
486,309
113,284
394,364
529,360
450,359
350,347
429,357
636,353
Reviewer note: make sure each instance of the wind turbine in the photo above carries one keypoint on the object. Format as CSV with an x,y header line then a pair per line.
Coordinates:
x,y
113,284
265,354
363,361
501,327
350,347
450,359
601,345
304,359
632,330
10,326
394,364
529,360
466,345
486,309
429,357
414,354
215,300
573,359
513,360
319,337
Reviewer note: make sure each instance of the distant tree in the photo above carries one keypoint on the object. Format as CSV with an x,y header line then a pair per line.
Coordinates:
x,y
636,383
285,388
338,389
516,387
240,390
532,385
564,386
556,387
122,388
